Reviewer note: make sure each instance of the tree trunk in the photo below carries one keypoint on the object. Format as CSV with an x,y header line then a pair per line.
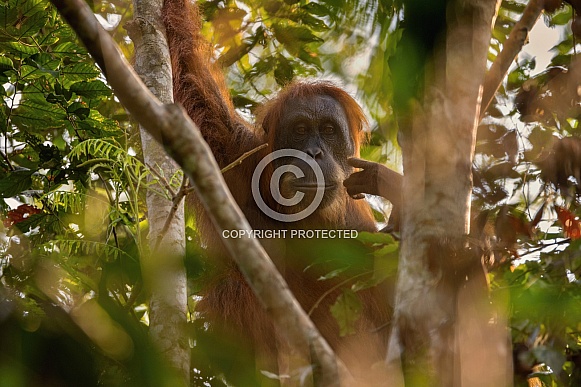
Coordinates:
x,y
163,268
440,274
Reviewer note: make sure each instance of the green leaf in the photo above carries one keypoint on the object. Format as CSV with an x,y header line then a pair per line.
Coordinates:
x,y
294,38
96,130
22,48
8,16
514,6
346,311
312,22
234,54
45,63
79,72
50,38
375,238
28,72
31,7
386,250
40,108
333,274
264,66
3,123
55,99
272,6
15,183
564,47
6,64
69,48
38,114
561,17
386,262
562,60
79,109
33,24
316,9
373,153
310,58
92,89
516,78
284,71
104,125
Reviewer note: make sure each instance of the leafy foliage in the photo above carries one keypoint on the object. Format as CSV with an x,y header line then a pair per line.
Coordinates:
x,y
72,213
526,176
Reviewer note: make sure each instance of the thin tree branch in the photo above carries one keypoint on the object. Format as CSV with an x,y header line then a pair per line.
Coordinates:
x,y
171,126
240,159
511,47
7,160
334,288
176,200
162,180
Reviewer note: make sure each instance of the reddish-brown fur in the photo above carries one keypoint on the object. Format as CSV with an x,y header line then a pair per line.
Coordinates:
x,y
201,89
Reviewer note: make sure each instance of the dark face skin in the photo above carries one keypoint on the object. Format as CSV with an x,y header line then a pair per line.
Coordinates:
x,y
317,126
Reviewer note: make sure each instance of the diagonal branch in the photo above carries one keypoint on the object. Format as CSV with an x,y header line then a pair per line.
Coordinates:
x,y
511,47
244,156
171,126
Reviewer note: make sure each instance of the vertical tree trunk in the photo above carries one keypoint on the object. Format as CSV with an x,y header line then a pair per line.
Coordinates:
x,y
439,273
163,269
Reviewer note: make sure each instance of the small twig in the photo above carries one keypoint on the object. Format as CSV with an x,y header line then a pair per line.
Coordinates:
x,y
176,200
189,190
332,289
162,180
7,161
548,245
112,202
135,292
240,159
